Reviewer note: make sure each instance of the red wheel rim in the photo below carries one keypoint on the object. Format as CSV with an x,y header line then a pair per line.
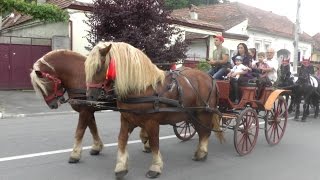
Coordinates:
x,y
276,121
246,131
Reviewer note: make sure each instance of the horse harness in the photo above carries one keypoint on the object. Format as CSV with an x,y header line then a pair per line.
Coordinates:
x,y
175,105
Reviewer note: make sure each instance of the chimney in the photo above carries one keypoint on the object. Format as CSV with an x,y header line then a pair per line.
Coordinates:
x,y
192,12
194,15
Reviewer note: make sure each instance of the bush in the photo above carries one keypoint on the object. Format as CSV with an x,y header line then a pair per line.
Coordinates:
x,y
203,66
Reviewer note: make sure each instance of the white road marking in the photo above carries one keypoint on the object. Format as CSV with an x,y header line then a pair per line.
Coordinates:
x,y
4,159
69,150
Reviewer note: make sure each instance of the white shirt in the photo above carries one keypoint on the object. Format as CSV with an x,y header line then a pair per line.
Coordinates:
x,y
272,75
239,68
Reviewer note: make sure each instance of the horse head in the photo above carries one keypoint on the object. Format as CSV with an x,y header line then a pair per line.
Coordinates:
x,y
305,71
120,66
100,72
46,82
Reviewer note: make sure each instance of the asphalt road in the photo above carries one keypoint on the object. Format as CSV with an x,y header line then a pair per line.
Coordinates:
x,y
38,148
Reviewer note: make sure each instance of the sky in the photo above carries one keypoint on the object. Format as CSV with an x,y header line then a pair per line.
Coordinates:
x,y
309,11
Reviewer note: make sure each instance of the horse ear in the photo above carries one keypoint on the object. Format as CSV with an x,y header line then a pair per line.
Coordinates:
x,y
39,74
104,51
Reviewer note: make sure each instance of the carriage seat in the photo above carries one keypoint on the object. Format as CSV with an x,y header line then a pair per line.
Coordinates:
x,y
250,83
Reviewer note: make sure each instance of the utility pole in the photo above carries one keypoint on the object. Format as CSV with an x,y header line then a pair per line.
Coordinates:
x,y
296,39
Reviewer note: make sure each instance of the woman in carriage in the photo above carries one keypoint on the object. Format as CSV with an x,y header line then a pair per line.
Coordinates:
x,y
246,75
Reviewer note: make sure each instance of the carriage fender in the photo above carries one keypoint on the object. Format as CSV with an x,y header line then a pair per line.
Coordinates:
x,y
272,98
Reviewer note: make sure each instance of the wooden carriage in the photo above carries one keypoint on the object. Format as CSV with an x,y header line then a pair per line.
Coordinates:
x,y
244,118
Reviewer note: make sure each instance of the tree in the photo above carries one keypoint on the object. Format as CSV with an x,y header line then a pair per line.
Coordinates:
x,y
176,4
143,24
44,12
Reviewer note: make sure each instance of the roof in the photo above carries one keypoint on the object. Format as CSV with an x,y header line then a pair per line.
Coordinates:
x,y
197,23
232,14
63,4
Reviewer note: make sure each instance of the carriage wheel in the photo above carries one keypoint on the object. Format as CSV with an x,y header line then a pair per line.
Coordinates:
x,y
184,130
276,121
246,131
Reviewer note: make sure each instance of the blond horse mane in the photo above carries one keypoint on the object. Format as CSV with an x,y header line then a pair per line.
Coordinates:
x,y
39,84
134,70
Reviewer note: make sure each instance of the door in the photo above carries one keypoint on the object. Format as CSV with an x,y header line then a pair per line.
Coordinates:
x,y
20,62
16,62
4,66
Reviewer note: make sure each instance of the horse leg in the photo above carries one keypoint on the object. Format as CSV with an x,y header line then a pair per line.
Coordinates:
x,y
122,157
297,104
152,129
308,109
145,140
204,134
77,148
97,143
290,109
316,106
305,109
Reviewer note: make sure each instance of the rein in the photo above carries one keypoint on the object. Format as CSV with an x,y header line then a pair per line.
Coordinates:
x,y
104,85
56,82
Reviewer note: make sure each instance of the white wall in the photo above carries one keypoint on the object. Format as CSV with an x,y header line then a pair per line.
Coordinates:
x,y
39,30
240,28
79,31
277,43
197,49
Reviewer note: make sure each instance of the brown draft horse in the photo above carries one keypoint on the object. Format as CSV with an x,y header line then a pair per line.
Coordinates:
x,y
136,79
60,71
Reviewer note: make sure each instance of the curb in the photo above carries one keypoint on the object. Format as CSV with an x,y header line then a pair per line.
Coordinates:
x,y
7,116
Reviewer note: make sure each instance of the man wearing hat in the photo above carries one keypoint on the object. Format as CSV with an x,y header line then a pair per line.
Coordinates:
x,y
219,61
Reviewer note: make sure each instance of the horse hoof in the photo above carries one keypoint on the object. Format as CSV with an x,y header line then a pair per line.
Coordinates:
x,y
73,160
94,152
147,150
200,159
121,174
152,174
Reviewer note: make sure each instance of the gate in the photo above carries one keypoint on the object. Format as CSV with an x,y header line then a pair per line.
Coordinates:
x,y
17,56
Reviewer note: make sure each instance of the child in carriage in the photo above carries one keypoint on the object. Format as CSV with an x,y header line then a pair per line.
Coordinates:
x,y
259,68
259,72
237,70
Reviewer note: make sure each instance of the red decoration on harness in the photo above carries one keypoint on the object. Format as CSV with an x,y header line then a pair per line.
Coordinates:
x,y
111,72
173,67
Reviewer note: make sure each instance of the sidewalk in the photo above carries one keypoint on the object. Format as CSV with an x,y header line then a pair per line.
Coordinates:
x,y
22,103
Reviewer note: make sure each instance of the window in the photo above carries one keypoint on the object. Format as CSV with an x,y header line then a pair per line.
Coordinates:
x,y
266,45
257,46
304,52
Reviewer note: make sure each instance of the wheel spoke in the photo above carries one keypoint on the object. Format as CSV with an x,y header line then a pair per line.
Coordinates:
x,y
246,131
276,120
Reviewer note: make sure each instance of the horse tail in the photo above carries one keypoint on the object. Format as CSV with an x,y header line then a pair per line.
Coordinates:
x,y
216,118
